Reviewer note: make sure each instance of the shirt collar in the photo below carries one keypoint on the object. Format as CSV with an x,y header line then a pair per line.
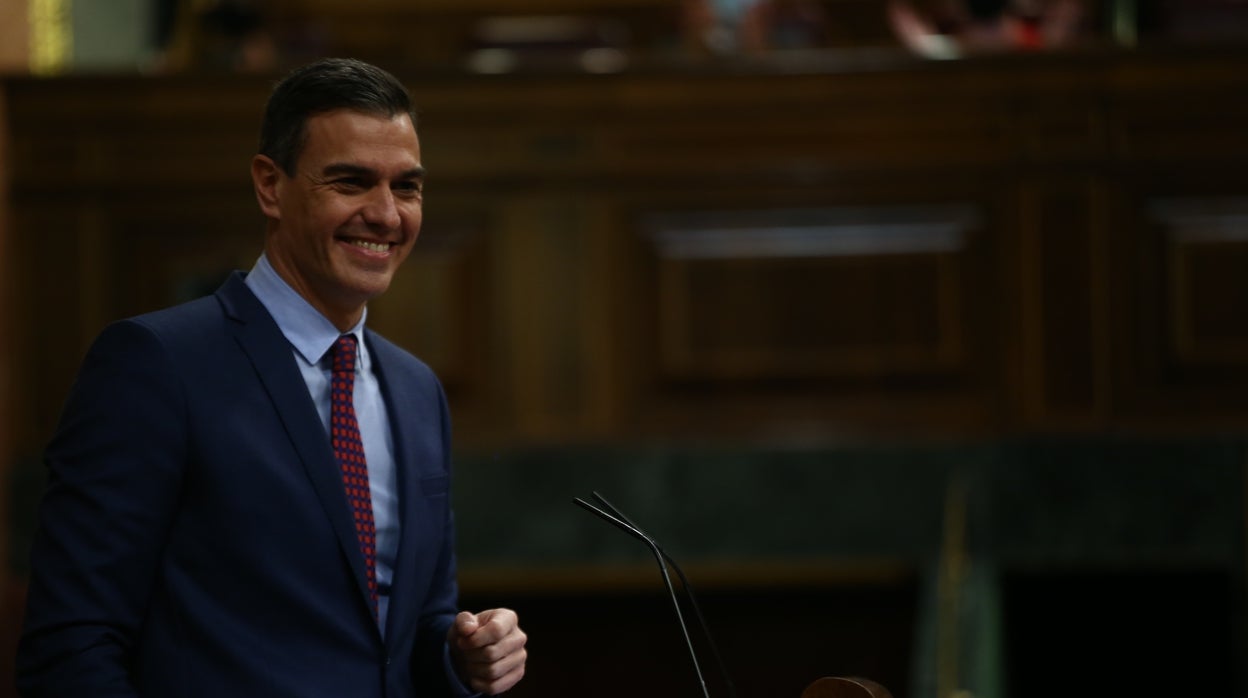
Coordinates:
x,y
310,333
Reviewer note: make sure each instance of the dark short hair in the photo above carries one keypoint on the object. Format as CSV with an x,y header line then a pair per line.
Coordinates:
x,y
321,86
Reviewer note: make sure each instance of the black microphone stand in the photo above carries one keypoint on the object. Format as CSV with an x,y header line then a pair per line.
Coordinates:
x,y
619,520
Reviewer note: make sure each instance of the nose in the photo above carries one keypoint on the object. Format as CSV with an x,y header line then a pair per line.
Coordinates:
x,y
381,210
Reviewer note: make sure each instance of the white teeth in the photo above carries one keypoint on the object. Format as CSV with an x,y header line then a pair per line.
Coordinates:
x,y
371,246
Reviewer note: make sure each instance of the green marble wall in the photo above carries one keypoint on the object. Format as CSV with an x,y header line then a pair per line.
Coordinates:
x,y
1156,527
1100,501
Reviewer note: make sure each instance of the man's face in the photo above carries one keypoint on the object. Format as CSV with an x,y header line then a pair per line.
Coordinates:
x,y
341,225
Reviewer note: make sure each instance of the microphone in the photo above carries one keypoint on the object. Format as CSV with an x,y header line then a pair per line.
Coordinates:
x,y
619,520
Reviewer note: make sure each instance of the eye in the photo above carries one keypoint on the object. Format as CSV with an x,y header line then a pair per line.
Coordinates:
x,y
409,188
350,183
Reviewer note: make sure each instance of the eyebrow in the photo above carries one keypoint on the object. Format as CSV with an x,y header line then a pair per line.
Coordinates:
x,y
342,168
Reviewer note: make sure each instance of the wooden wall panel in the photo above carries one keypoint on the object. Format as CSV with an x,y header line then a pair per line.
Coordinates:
x,y
83,266
171,250
11,590
1065,333
133,142
690,131
47,348
543,307
609,257
802,322
1176,126
1073,130
1185,295
1207,255
7,285
811,294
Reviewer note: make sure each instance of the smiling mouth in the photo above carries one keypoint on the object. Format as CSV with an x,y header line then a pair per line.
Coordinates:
x,y
370,246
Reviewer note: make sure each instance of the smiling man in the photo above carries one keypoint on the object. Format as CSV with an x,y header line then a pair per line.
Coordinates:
x,y
249,494
344,219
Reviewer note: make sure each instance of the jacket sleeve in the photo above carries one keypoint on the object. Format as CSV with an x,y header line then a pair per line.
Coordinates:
x,y
115,470
434,673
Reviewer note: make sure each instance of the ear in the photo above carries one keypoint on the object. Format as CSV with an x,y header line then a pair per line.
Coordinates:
x,y
265,175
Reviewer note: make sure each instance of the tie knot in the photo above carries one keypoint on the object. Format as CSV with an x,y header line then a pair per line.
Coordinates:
x,y
343,354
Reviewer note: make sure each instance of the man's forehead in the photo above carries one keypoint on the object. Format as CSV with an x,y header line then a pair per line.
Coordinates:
x,y
347,135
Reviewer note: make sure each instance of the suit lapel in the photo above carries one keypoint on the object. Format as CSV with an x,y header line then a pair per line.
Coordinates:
x,y
271,355
407,476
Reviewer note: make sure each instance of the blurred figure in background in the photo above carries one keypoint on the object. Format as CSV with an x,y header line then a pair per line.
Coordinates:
x,y
960,27
243,36
726,27
230,35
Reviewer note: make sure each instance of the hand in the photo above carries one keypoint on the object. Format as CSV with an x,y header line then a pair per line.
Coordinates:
x,y
488,649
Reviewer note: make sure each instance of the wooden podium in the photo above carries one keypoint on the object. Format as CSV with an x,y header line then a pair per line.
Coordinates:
x,y
845,687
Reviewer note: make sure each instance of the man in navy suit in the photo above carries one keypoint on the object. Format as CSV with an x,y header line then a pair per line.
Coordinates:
x,y
196,538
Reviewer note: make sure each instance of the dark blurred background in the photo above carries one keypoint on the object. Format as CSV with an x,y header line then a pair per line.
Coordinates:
x,y
917,332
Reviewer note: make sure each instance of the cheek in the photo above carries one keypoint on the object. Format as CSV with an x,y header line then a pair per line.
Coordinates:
x,y
412,220
328,212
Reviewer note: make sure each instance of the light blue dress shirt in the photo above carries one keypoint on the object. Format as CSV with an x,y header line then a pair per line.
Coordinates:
x,y
311,335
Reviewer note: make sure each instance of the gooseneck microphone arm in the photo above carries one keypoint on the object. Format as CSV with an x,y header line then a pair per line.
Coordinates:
x,y
659,556
689,594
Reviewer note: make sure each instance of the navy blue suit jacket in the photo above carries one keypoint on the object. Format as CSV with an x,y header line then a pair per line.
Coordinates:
x,y
195,540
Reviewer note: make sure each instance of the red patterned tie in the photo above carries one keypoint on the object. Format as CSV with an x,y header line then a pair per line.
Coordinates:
x,y
349,450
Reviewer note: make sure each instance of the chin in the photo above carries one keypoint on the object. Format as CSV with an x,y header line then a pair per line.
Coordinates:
x,y
369,292
369,282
